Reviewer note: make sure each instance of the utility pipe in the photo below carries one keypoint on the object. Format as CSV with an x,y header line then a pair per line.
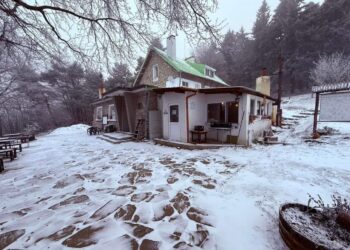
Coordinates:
x,y
187,116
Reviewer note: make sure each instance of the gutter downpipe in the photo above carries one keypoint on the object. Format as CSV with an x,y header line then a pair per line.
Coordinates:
x,y
187,116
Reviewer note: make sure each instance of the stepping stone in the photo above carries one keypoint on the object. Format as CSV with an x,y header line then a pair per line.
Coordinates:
x,y
108,209
150,245
8,238
198,216
83,238
138,230
126,212
180,202
165,211
124,190
72,200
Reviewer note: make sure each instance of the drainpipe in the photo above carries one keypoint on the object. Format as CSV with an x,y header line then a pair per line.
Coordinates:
x,y
187,116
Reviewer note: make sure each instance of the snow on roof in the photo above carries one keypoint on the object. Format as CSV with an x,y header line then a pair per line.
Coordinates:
x,y
196,69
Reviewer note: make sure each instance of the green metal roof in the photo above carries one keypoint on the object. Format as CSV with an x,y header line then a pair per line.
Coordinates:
x,y
195,69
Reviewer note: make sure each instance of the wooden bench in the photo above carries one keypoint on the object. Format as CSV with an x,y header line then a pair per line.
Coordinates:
x,y
1,165
9,153
13,145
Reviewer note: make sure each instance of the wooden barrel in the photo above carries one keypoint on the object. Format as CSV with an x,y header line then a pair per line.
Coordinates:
x,y
293,239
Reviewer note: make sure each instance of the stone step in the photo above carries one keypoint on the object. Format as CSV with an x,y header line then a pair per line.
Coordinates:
x,y
109,136
113,141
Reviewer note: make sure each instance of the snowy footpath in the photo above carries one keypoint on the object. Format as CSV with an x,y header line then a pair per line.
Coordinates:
x,y
70,190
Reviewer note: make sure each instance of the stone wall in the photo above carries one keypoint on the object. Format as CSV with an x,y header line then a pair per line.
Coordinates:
x,y
104,104
164,69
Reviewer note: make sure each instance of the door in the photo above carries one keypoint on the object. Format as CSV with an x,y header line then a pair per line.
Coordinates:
x,y
174,124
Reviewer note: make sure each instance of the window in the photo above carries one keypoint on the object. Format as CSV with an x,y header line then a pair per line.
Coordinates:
x,y
259,108
184,84
216,112
252,107
209,72
155,72
99,113
198,85
111,113
174,113
232,112
139,105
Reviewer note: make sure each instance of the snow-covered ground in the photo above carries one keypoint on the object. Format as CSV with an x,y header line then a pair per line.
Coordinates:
x,y
70,189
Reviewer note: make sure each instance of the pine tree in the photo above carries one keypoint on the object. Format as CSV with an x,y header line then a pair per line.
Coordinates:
x,y
262,46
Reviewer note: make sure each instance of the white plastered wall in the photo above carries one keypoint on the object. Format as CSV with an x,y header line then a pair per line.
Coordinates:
x,y
257,128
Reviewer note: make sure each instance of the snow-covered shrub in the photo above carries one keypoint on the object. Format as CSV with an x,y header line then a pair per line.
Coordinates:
x,y
330,69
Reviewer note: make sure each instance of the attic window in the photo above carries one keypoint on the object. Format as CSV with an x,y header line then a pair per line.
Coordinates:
x,y
155,72
209,72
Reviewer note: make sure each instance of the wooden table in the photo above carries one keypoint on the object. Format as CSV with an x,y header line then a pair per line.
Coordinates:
x,y
199,136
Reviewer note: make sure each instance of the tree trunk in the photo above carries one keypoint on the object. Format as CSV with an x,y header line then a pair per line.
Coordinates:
x,y
48,107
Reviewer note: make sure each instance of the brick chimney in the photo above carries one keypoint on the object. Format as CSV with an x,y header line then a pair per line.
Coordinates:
x,y
171,46
263,84
101,88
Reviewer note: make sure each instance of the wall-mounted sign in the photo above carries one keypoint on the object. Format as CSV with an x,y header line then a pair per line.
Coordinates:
x,y
105,120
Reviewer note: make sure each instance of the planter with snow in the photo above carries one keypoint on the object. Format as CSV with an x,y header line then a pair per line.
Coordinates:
x,y
305,228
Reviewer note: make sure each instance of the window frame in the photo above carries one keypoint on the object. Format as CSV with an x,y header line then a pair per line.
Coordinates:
x,y
99,108
209,72
155,72
222,112
236,104
252,107
174,118
110,114
184,84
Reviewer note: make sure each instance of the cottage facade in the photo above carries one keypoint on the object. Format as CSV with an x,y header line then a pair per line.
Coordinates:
x,y
170,97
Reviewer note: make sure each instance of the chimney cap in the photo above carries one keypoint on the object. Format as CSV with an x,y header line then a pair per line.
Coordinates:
x,y
264,72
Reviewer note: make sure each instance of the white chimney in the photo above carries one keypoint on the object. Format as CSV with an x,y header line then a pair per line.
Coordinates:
x,y
171,46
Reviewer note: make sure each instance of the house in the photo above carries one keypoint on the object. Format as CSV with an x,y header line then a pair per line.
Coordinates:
x,y
171,97
137,108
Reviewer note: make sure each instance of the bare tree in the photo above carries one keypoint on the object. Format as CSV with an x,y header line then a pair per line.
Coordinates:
x,y
101,29
331,69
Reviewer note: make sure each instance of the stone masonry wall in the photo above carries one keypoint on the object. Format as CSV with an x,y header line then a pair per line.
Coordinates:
x,y
164,69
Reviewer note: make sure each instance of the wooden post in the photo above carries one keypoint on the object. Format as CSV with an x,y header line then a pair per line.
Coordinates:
x,y
317,100
279,98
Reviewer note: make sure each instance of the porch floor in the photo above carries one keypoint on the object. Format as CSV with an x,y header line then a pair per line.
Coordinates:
x,y
193,146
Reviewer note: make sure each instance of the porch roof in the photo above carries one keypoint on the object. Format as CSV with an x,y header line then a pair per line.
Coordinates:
x,y
121,90
221,90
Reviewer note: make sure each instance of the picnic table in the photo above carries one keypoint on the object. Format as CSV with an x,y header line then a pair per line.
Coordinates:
x,y
9,153
18,136
10,143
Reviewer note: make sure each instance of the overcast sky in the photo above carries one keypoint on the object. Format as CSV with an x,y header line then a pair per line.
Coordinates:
x,y
236,14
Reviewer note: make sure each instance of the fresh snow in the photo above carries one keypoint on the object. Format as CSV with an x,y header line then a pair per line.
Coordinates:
x,y
71,189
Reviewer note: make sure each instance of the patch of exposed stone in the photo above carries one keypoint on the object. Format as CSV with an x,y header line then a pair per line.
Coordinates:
x,y
72,200
8,238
